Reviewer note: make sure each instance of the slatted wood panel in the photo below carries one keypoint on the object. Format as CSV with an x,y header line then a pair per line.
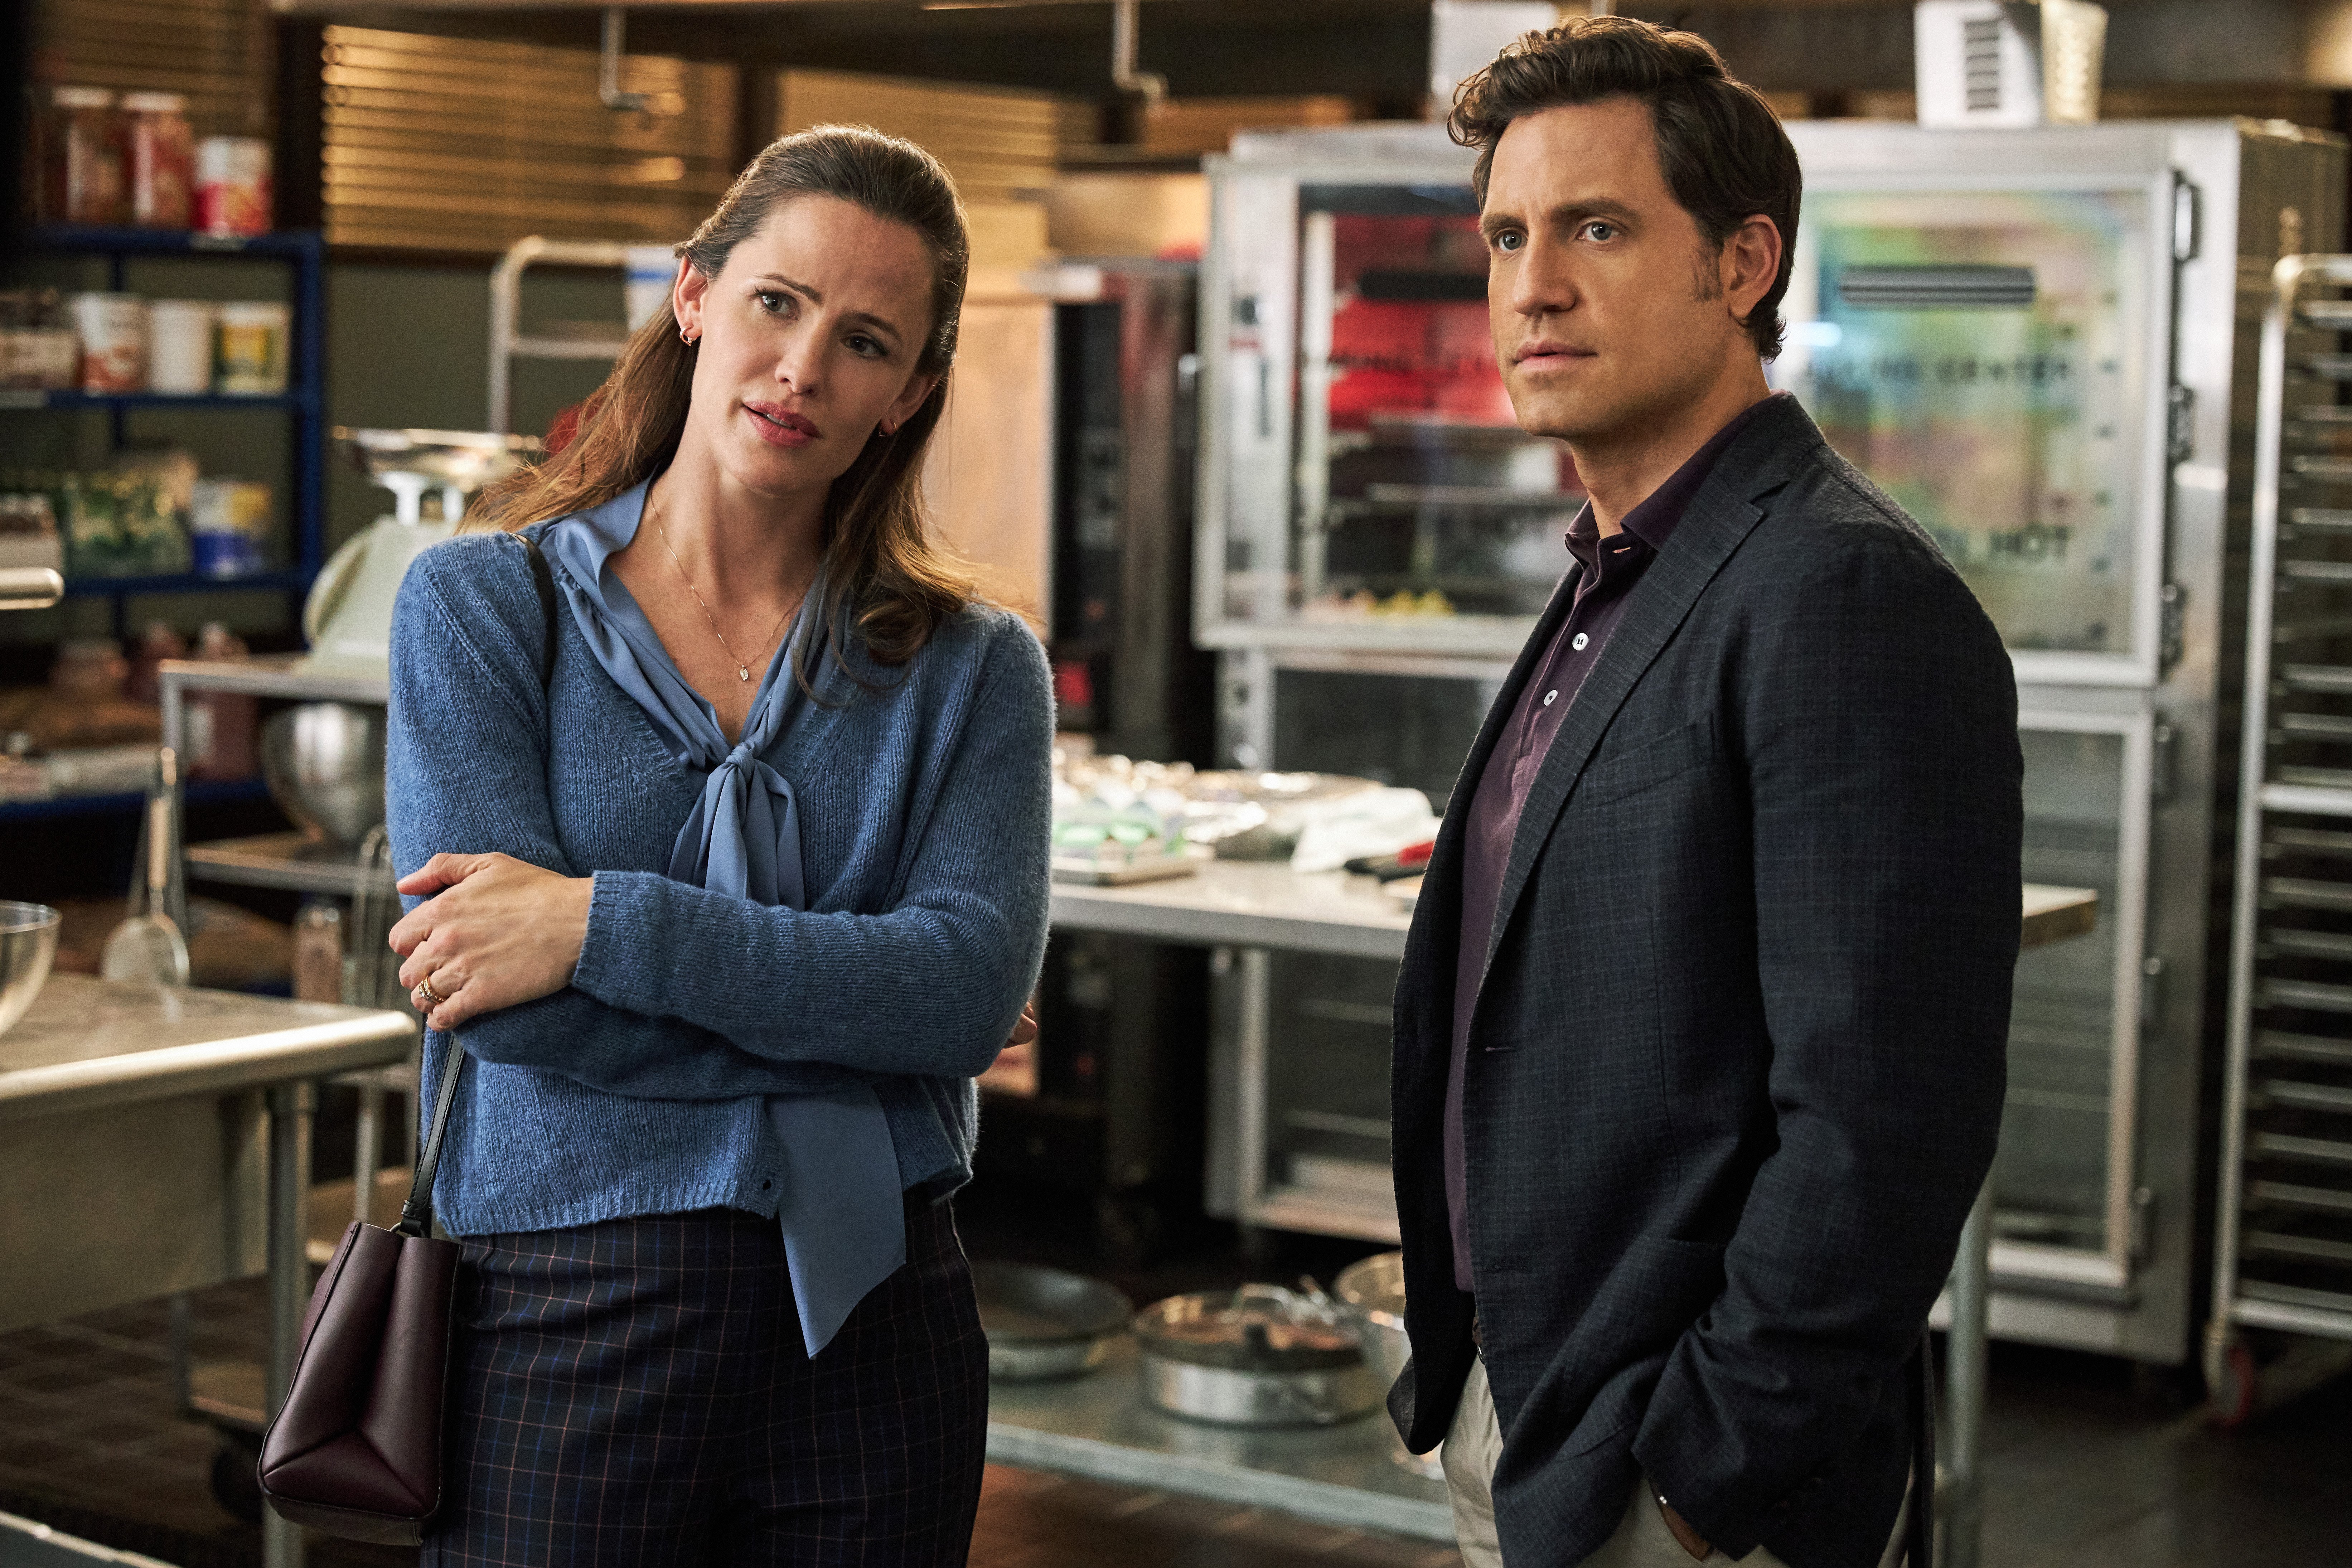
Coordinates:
x,y
217,52
998,143
457,144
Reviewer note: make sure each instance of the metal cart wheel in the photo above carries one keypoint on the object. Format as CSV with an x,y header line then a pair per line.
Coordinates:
x,y
2236,1384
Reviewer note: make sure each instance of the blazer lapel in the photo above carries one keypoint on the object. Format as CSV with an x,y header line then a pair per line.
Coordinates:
x,y
1718,518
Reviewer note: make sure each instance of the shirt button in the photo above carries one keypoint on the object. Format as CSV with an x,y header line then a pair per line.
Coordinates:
x,y
1549,698
1577,641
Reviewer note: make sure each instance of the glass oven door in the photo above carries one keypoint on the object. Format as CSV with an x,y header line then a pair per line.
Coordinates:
x,y
1369,487
2064,1174
1997,361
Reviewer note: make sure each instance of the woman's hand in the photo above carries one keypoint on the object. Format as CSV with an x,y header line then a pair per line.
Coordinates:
x,y
496,931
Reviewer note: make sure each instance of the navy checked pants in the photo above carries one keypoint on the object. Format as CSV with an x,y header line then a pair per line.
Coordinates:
x,y
635,1392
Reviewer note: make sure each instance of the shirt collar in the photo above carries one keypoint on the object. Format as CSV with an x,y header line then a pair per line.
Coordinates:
x,y
1653,522
608,529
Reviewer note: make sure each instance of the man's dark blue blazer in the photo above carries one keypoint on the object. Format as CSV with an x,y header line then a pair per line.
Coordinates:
x,y
1736,1062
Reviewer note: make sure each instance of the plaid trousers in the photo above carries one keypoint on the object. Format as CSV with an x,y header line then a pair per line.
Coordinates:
x,y
635,1392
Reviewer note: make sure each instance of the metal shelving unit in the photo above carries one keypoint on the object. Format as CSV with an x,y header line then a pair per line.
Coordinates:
x,y
304,399
61,808
292,861
508,343
2283,1251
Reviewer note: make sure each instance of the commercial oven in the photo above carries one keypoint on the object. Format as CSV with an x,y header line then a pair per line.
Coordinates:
x,y
1108,1103
2040,343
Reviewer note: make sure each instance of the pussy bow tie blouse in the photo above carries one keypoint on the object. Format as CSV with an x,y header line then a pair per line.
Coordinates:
x,y
845,1230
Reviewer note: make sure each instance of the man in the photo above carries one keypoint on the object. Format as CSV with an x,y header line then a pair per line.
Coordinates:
x,y
1699,1038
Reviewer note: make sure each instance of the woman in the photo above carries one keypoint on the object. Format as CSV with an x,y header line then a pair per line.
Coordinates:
x,y
728,905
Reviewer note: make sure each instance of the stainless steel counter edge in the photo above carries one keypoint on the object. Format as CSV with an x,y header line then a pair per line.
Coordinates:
x,y
1326,1501
244,1061
1079,908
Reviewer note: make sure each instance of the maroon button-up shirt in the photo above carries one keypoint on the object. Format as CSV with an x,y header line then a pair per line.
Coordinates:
x,y
1606,572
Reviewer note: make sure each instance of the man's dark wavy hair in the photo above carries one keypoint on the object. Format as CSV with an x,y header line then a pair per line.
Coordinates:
x,y
1724,154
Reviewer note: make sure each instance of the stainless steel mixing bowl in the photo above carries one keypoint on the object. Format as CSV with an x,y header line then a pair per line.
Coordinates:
x,y
1371,1291
28,941
324,763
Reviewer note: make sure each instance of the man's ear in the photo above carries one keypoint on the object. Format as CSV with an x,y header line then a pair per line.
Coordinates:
x,y
1748,265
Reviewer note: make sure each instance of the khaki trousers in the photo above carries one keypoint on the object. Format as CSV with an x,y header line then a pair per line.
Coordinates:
x,y
1641,1541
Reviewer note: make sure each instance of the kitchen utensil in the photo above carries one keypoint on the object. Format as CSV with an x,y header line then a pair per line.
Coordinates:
x,y
347,616
147,948
1408,861
28,942
324,765
1258,1356
1097,874
30,587
1045,1322
1371,1293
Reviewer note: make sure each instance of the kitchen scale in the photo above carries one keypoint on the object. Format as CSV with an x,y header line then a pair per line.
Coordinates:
x,y
348,616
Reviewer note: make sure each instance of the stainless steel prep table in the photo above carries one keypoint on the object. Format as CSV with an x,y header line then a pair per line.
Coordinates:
x,y
1100,1426
1241,903
137,1148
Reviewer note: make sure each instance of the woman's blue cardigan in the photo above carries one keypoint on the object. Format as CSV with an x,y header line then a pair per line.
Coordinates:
x,y
925,806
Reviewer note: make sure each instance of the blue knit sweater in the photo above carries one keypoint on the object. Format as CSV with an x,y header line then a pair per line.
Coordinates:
x,y
925,805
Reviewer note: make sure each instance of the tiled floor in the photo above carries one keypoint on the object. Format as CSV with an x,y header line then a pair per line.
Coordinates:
x,y
2081,1473
89,1442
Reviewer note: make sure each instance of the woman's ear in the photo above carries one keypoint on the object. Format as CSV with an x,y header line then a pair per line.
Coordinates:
x,y
903,407
687,292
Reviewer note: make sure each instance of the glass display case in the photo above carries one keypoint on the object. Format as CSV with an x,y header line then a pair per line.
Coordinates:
x,y
2034,340
1369,486
1987,358
2064,1178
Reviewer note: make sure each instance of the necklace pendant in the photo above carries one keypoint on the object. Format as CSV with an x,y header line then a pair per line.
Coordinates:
x,y
743,672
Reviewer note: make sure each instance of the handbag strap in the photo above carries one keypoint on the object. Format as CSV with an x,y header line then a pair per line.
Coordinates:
x,y
543,580
416,1214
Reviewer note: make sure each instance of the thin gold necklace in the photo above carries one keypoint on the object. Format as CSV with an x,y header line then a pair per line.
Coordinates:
x,y
742,669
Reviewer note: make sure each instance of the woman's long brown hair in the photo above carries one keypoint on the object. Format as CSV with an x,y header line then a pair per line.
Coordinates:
x,y
883,573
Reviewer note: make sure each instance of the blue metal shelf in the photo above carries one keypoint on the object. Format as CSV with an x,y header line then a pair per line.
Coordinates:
x,y
22,399
202,792
183,582
174,242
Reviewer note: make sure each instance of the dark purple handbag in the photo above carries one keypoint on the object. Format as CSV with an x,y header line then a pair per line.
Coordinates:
x,y
356,1449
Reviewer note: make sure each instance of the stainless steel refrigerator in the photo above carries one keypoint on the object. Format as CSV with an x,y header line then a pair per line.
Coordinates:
x,y
2041,343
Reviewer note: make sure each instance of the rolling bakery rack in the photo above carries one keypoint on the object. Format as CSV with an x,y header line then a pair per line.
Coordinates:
x,y
2283,1247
